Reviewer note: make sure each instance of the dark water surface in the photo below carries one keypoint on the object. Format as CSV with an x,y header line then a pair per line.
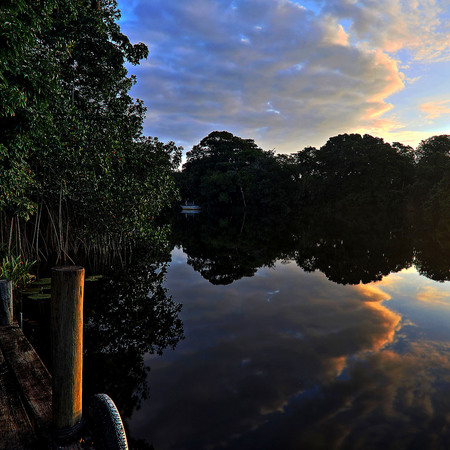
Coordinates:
x,y
287,359
325,331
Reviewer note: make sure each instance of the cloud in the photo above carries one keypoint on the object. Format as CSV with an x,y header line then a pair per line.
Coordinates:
x,y
435,109
217,65
372,292
245,358
375,405
285,75
434,296
393,25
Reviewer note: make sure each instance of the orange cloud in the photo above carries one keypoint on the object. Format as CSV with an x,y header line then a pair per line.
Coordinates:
x,y
379,110
393,78
393,131
372,293
407,137
434,110
393,25
434,296
392,325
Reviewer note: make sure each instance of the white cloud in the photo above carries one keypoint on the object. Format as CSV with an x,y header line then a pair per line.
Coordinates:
x,y
391,25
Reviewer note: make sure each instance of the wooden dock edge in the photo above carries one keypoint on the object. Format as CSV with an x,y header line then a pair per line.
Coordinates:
x,y
15,427
32,377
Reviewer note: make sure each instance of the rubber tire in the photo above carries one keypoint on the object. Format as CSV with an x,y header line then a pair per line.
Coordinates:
x,y
107,426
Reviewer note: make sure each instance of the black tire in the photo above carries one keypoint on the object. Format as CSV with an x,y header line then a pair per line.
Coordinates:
x,y
106,423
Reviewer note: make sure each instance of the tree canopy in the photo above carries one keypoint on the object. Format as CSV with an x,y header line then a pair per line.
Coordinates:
x,y
356,169
224,170
71,143
351,169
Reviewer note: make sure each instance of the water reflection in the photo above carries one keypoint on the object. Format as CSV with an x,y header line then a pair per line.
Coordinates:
x,y
128,313
286,359
432,250
226,248
316,332
360,246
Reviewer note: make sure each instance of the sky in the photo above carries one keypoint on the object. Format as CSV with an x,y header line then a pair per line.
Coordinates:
x,y
291,74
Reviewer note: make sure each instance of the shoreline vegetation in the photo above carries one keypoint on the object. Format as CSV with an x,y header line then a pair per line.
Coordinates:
x,y
76,172
78,177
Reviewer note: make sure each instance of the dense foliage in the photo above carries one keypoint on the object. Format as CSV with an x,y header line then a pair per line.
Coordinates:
x,y
349,170
27,82
354,169
432,185
226,170
72,151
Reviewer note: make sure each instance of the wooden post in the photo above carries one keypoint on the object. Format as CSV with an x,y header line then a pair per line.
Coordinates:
x,y
67,348
6,302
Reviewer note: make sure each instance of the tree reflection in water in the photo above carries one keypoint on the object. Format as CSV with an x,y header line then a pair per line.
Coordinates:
x,y
128,313
349,248
359,247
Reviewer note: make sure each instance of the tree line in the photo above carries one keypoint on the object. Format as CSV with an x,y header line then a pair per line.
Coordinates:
x,y
226,171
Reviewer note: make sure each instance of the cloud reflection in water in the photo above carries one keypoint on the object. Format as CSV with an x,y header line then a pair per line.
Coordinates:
x,y
319,366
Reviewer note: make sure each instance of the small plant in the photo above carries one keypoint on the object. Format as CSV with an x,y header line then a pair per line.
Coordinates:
x,y
16,270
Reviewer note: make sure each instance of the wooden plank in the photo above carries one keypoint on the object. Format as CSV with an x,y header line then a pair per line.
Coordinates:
x,y
16,431
31,375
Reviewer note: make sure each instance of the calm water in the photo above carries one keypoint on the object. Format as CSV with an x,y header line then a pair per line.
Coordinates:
x,y
286,359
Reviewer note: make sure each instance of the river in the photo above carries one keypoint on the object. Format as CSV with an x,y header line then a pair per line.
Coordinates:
x,y
287,359
327,331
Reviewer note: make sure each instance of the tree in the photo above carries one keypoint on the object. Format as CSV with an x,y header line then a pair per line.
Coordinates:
x,y
95,123
306,175
226,170
434,146
433,163
27,81
354,169
73,143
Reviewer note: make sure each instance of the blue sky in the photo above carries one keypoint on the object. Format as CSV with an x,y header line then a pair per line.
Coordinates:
x,y
292,74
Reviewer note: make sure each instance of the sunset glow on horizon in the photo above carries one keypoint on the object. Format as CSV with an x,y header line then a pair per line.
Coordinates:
x,y
292,74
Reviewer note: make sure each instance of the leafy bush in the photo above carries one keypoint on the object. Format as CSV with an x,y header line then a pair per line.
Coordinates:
x,y
16,270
